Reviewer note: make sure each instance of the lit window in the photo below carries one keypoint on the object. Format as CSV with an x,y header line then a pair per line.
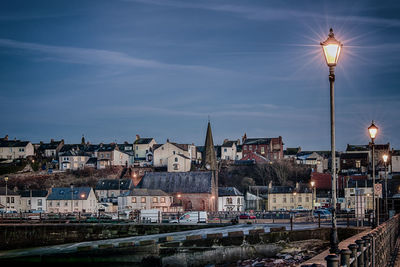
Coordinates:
x,y
143,199
155,199
133,200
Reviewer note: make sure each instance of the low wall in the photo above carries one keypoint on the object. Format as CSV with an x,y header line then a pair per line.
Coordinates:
x,y
33,235
193,251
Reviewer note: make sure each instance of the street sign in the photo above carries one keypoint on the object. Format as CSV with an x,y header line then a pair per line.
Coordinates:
x,y
378,190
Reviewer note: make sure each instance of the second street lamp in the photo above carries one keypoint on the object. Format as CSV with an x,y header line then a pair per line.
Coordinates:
x,y
385,159
373,131
331,49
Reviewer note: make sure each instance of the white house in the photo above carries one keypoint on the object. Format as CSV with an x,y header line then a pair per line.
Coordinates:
x,y
230,199
73,160
9,200
32,200
229,150
143,149
163,151
179,163
139,199
71,199
110,155
15,149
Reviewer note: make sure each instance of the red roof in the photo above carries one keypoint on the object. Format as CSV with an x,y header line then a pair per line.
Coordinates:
x,y
324,180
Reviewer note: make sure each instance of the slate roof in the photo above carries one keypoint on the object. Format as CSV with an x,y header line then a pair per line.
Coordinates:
x,y
35,193
178,182
354,156
51,145
357,147
257,141
13,143
184,147
142,141
9,192
146,192
112,184
229,143
228,191
72,153
64,193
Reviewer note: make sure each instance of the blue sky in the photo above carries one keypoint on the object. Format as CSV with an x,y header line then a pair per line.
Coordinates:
x,y
159,68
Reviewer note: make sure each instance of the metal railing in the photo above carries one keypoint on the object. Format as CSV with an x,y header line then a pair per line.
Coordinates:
x,y
373,249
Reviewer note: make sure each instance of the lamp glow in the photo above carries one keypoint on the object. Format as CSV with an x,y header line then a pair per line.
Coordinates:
x,y
385,158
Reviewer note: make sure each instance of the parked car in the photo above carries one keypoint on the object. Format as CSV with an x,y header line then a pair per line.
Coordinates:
x,y
246,216
322,213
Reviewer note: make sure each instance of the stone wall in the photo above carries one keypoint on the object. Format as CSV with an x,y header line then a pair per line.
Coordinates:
x,y
32,235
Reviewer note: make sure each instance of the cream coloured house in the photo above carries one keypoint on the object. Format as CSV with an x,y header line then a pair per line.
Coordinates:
x,y
110,155
142,148
289,198
179,163
71,199
33,200
229,150
144,199
162,152
9,200
73,160
15,149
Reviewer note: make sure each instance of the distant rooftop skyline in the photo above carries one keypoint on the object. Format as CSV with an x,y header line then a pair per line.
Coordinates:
x,y
160,68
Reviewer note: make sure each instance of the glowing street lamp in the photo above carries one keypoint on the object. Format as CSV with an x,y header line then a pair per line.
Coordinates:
x,y
6,180
373,131
385,159
312,199
331,49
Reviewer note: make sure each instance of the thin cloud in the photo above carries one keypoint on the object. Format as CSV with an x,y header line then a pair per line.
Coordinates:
x,y
272,13
96,57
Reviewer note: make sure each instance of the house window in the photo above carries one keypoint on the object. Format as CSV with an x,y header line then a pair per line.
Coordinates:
x,y
50,204
65,203
133,200
307,199
358,163
176,159
238,200
262,150
274,200
225,150
143,200
300,199
12,199
39,202
245,147
284,200
155,199
229,200
162,199
291,200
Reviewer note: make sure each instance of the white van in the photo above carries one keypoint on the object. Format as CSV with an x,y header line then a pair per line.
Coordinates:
x,y
192,217
150,216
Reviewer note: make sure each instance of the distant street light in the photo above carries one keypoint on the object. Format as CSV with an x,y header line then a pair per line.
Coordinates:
x,y
331,49
373,131
312,199
385,159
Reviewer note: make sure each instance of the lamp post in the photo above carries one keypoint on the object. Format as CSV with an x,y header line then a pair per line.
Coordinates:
x,y
312,198
331,49
373,130
385,158
6,180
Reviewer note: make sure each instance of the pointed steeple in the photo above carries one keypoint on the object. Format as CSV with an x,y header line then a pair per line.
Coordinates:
x,y
209,161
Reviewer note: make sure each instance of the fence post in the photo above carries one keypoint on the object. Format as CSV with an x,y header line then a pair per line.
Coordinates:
x,y
367,256
332,260
345,257
291,223
319,220
353,248
360,249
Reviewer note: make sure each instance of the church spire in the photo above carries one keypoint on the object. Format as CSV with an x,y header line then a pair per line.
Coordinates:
x,y
209,157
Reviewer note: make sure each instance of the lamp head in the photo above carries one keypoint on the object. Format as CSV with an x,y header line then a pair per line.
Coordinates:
x,y
373,130
385,158
331,49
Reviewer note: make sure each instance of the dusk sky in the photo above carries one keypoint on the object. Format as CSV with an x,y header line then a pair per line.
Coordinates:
x,y
159,68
